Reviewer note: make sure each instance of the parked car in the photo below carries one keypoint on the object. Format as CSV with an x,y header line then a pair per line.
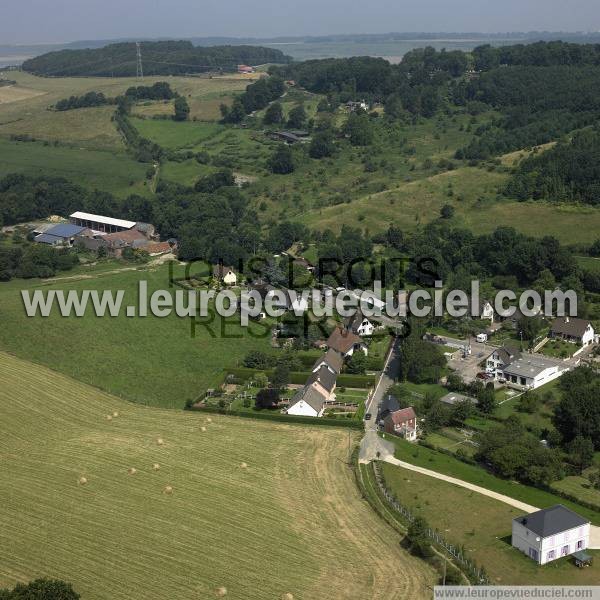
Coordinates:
x,y
368,416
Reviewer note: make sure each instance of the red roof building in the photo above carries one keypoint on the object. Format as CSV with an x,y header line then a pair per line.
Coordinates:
x,y
403,423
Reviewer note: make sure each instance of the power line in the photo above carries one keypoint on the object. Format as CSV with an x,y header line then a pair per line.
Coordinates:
x,y
139,68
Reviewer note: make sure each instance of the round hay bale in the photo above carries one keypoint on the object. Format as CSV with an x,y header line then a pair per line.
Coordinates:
x,y
160,442
202,429
115,414
82,480
243,465
220,592
209,420
132,471
155,466
287,596
109,417
168,489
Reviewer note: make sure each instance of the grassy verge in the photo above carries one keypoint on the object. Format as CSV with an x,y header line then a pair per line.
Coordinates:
x,y
483,526
442,463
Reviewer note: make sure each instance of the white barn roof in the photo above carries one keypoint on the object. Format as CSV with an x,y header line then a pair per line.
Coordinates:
x,y
105,220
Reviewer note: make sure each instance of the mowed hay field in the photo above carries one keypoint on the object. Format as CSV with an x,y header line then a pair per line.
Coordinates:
x,y
288,521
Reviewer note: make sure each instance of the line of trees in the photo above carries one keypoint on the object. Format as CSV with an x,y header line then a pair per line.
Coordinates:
x,y
86,101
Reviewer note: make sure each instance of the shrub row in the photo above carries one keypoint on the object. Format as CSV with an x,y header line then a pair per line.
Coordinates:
x,y
277,416
300,377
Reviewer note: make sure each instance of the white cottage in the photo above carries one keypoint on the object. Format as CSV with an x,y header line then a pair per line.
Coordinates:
x,y
551,533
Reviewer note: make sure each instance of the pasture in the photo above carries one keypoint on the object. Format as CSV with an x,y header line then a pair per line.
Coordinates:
x,y
93,128
149,360
257,509
483,526
472,192
108,171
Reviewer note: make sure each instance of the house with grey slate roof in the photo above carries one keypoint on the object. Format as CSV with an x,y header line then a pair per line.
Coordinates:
x,y
550,533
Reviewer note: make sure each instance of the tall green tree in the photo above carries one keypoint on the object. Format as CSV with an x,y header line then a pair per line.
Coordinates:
x,y
282,161
182,109
273,114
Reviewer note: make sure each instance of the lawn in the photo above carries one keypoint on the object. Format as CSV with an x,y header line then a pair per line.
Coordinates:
x,y
109,171
483,526
442,463
558,348
259,531
149,360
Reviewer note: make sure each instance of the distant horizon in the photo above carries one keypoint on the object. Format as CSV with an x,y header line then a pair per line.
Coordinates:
x,y
521,34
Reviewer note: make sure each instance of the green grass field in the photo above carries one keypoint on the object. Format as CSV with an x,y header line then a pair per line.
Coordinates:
x,y
109,171
149,360
483,526
408,205
259,531
442,463
24,110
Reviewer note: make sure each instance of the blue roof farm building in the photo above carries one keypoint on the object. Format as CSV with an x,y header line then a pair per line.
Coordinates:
x,y
63,234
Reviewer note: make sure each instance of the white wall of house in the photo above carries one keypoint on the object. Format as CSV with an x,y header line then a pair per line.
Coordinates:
x,y
494,365
366,328
589,336
545,376
544,550
230,278
304,409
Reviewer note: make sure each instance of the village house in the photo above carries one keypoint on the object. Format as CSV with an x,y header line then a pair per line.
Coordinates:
x,y
402,423
281,298
360,325
499,359
551,533
346,342
331,360
531,372
570,329
353,106
324,381
485,310
245,69
225,275
307,402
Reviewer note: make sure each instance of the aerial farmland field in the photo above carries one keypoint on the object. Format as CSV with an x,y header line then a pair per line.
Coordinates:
x,y
129,502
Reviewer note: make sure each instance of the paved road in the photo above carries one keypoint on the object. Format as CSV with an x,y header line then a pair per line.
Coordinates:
x,y
386,379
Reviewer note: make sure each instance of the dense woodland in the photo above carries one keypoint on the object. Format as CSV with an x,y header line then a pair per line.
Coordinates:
x,y
159,58
569,172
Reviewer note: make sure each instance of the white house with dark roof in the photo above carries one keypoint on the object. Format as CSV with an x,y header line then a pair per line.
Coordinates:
x,y
499,359
551,533
307,402
332,360
570,329
531,372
